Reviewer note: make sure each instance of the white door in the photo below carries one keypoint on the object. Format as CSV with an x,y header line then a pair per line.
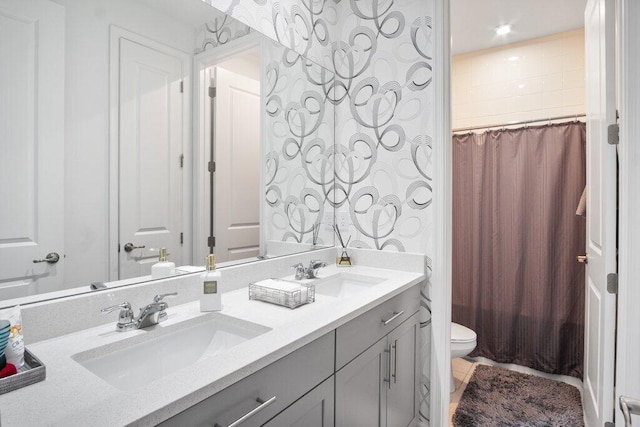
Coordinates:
x,y
150,150
628,342
236,215
31,146
600,305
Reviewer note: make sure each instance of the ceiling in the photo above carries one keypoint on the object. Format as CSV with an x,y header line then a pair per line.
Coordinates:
x,y
473,22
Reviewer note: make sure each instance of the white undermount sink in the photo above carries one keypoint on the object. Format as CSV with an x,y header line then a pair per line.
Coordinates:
x,y
344,285
137,361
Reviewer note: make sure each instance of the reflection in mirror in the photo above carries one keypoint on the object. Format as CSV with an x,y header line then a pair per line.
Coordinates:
x,y
109,150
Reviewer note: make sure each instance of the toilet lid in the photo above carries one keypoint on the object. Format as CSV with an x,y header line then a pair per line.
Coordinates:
x,y
461,333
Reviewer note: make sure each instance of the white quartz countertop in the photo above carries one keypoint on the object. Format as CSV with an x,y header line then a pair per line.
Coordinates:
x,y
73,396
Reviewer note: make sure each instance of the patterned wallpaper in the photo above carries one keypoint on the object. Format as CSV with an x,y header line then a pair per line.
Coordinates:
x,y
299,140
381,53
299,146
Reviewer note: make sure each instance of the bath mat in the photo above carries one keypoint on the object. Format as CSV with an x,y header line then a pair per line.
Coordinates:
x,y
501,397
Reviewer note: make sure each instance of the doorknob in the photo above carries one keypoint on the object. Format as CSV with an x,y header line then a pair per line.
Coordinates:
x,y
51,258
130,246
629,406
582,259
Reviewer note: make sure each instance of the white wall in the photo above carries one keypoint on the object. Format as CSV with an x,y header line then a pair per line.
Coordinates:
x,y
87,122
538,78
246,64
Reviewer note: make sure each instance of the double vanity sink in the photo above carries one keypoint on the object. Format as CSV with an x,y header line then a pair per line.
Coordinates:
x,y
137,361
146,376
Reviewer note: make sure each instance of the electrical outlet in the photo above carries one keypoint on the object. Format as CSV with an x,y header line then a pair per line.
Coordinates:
x,y
344,220
328,221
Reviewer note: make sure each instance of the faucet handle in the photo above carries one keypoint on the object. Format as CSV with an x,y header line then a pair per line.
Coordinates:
x,y
300,270
160,297
122,307
125,319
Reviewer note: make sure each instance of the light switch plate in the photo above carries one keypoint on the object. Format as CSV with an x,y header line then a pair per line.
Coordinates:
x,y
344,220
327,220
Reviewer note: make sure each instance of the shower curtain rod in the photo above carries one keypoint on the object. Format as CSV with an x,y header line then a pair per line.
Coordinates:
x,y
524,122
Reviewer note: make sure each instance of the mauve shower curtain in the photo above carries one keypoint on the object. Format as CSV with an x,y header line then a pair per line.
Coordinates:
x,y
516,235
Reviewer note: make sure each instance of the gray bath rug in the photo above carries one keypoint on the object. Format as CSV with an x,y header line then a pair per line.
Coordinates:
x,y
497,397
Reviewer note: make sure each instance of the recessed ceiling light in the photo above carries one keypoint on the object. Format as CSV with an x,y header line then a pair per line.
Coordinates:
x,y
513,58
503,29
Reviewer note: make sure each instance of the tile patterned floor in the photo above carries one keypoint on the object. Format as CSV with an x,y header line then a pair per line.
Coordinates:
x,y
462,371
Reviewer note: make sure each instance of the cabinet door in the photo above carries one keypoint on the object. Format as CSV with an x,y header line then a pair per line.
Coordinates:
x,y
361,389
315,409
402,396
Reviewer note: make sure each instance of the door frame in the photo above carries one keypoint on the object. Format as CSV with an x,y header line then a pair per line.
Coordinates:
x,y
201,129
627,369
441,282
115,34
627,350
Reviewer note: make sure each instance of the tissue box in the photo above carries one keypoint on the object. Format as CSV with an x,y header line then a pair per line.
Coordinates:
x,y
282,292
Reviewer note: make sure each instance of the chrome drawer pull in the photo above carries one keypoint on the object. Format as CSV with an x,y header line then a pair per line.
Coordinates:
x,y
629,406
395,361
251,413
392,318
388,378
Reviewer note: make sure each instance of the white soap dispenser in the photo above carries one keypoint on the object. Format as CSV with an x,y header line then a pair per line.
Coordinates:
x,y
210,299
164,267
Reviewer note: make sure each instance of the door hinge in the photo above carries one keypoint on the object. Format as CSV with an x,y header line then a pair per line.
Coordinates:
x,y
181,160
212,92
211,166
181,86
211,241
612,283
613,134
609,424
118,247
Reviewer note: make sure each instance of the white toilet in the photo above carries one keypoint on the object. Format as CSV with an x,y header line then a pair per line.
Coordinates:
x,y
463,341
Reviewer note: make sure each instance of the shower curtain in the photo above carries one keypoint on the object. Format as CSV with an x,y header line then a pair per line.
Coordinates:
x,y
516,235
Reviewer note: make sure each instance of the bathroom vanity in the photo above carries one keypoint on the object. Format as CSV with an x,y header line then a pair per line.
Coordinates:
x,y
350,357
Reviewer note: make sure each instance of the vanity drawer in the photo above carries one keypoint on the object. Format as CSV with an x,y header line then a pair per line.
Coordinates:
x,y
285,380
366,329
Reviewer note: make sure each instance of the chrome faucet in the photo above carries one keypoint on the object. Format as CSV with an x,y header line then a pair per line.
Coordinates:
x,y
151,314
310,272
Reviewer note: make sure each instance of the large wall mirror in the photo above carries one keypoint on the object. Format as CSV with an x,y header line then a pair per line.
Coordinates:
x,y
133,125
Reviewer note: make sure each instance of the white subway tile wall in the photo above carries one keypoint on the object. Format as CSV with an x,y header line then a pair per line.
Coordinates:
x,y
534,79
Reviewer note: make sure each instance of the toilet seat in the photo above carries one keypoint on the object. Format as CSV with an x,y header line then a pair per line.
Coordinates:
x,y
462,334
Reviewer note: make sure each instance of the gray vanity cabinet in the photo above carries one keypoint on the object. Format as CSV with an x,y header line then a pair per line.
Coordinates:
x,y
315,409
380,386
361,399
378,370
404,381
262,395
362,374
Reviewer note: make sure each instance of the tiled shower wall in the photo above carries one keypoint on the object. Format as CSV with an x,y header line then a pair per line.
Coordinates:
x,y
382,54
538,78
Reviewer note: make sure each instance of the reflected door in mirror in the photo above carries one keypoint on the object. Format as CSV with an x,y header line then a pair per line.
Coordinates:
x,y
151,103
31,146
237,178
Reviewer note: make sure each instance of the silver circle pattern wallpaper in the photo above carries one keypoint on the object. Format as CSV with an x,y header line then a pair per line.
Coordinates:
x,y
382,55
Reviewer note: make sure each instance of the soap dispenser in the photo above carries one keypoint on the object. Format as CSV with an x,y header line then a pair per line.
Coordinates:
x,y
164,267
210,299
